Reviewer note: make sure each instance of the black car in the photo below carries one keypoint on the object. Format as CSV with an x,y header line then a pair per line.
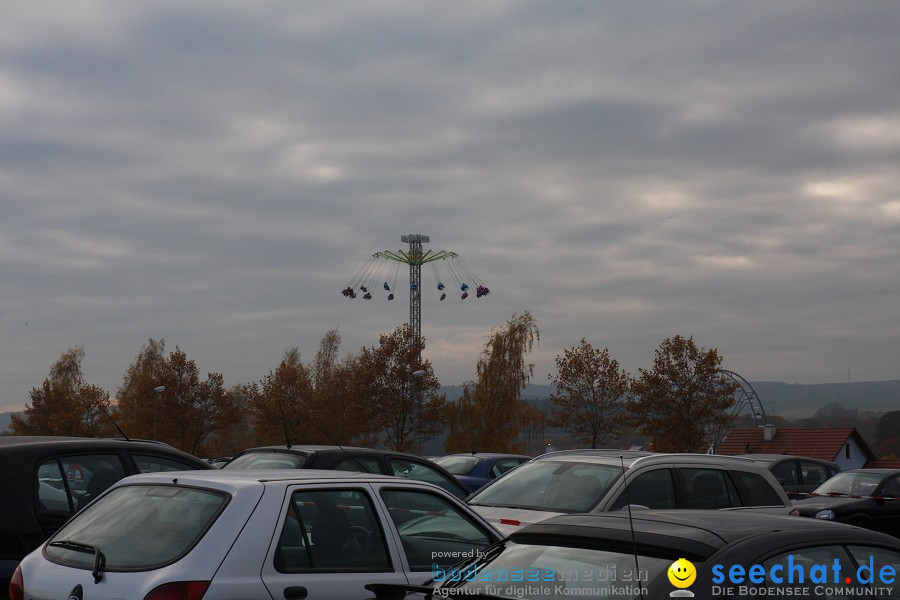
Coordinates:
x,y
46,479
663,554
798,475
867,498
348,458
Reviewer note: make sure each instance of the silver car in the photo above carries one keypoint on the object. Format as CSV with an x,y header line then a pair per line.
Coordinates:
x,y
573,481
245,535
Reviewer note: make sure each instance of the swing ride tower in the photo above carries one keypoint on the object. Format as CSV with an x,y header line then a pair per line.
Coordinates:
x,y
385,266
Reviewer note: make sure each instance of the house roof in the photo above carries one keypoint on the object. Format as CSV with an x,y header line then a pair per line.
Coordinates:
x,y
884,463
824,444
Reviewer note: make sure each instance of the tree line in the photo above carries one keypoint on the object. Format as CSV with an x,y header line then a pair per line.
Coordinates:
x,y
384,395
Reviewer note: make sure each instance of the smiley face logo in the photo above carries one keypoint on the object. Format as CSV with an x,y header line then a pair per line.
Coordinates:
x,y
682,573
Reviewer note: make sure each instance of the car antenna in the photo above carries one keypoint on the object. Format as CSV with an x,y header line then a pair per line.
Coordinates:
x,y
637,567
287,438
108,416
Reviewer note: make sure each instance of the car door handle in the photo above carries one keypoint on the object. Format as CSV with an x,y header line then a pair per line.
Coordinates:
x,y
297,592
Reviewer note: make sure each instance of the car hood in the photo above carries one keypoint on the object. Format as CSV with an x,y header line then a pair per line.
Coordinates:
x,y
509,520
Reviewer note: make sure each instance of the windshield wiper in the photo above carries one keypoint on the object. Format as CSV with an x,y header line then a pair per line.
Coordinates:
x,y
99,559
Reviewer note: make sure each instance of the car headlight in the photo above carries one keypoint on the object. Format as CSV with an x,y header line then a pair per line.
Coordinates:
x,y
825,514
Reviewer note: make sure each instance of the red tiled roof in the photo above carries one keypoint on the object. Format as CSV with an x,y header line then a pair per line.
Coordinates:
x,y
884,463
824,444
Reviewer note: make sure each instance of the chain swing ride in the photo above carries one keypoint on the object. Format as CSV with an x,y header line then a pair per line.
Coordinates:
x,y
381,271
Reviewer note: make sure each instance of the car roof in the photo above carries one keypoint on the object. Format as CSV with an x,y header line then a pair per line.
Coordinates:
x,y
487,455
630,457
875,471
696,532
321,449
774,457
242,478
16,444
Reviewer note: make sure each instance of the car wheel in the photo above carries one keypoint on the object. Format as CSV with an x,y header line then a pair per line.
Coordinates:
x,y
860,521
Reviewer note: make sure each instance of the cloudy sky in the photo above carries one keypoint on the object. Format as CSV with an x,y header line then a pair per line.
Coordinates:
x,y
214,173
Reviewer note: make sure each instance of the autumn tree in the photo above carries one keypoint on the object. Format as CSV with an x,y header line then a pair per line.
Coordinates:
x,y
65,404
591,394
344,413
887,434
187,414
491,414
136,401
281,405
409,409
680,402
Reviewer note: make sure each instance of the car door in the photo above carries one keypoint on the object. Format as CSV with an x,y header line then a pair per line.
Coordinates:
x,y
329,542
67,483
886,507
705,488
786,474
653,488
433,531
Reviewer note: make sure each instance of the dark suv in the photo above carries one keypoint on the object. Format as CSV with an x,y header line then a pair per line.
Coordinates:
x,y
573,481
46,479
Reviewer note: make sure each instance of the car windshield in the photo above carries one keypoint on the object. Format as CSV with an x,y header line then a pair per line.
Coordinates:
x,y
117,525
267,460
553,572
559,486
850,484
458,465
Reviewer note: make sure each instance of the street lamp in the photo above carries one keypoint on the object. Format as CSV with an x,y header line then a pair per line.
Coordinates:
x,y
156,392
415,408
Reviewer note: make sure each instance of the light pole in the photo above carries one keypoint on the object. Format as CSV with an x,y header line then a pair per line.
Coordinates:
x,y
156,392
415,408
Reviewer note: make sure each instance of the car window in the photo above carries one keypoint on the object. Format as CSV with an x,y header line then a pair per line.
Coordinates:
x,y
755,490
118,524
458,465
267,460
653,489
707,488
433,531
331,530
786,473
891,487
424,472
502,465
559,486
147,463
52,491
69,483
812,473
358,465
851,483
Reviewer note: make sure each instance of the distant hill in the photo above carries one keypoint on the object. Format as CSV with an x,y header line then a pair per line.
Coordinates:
x,y
789,400
4,421
793,400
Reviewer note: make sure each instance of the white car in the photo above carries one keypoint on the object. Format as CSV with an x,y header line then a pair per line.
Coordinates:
x,y
253,534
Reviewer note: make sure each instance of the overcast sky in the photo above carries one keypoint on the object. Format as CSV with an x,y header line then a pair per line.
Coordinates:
x,y
214,173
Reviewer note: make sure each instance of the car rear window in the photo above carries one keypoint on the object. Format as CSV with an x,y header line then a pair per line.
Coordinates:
x,y
117,525
267,460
